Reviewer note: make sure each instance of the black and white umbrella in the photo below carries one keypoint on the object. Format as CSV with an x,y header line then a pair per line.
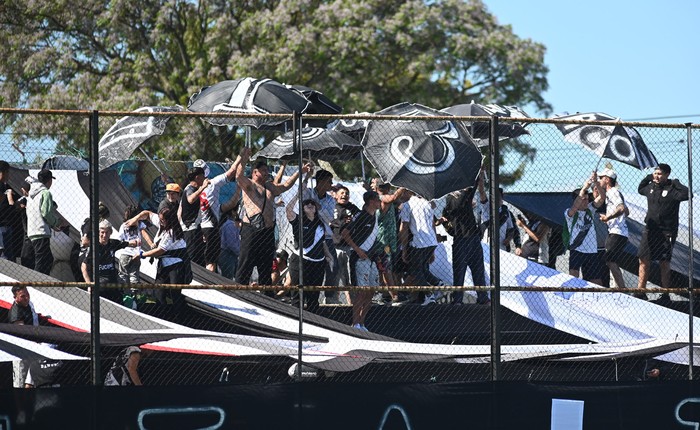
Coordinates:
x,y
354,128
430,157
481,130
248,96
129,132
319,104
319,143
614,141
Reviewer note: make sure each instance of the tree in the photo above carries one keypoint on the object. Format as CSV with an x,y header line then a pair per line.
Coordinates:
x,y
365,55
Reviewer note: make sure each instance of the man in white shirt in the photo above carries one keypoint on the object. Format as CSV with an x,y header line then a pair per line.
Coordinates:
x,y
210,208
417,218
616,218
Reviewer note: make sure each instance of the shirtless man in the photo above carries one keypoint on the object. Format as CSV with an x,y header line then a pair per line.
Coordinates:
x,y
258,219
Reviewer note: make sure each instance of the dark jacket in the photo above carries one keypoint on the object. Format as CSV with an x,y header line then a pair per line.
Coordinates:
x,y
663,201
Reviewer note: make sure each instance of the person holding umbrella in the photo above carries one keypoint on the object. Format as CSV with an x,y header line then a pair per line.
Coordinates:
x,y
664,197
258,219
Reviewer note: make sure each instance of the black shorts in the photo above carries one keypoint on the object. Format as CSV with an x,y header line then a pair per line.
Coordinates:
x,y
656,245
212,244
614,248
588,264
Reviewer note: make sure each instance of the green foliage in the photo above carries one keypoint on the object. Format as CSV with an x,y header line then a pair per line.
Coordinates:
x,y
364,54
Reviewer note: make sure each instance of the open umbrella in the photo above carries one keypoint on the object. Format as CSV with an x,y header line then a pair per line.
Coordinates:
x,y
480,130
129,132
319,102
320,143
354,128
430,157
247,96
613,141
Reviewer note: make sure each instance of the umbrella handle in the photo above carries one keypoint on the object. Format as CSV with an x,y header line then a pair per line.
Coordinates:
x,y
151,160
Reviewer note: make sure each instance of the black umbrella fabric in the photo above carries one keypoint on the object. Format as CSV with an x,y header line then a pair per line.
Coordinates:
x,y
480,130
319,143
319,104
247,96
354,128
613,141
129,132
429,157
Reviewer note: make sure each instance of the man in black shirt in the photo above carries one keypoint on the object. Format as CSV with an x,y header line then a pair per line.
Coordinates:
x,y
22,311
189,214
107,268
664,197
361,235
459,222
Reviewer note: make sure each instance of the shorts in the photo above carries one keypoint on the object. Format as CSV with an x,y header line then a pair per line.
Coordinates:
x,y
589,264
212,244
615,247
656,245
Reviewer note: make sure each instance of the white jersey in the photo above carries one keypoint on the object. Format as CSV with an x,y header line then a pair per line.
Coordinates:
x,y
209,204
582,221
617,225
419,214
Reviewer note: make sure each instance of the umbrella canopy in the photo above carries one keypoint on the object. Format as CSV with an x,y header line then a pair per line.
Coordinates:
x,y
129,132
247,96
480,130
320,143
613,141
354,128
430,157
65,162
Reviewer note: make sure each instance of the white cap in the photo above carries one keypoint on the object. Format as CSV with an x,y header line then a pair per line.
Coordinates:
x,y
608,172
201,163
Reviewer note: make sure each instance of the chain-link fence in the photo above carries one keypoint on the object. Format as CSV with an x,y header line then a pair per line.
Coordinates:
x,y
391,239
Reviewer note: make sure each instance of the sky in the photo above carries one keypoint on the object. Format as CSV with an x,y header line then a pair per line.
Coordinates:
x,y
631,59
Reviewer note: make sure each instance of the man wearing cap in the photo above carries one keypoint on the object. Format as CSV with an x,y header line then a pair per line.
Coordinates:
x,y
326,204
210,207
616,218
664,197
172,197
42,216
258,219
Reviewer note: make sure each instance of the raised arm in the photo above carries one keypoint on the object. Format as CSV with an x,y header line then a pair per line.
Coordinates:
x,y
233,169
278,189
293,202
141,216
280,173
244,183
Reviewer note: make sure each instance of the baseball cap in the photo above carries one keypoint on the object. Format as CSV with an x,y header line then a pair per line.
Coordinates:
x,y
175,188
608,172
201,163
44,175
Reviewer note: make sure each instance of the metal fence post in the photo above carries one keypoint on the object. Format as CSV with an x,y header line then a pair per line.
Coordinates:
x,y
494,243
94,239
296,132
690,253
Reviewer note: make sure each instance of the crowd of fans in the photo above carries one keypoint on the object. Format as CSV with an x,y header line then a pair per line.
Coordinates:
x,y
391,240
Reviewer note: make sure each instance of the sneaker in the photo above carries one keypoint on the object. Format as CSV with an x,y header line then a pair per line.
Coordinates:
x,y
377,299
360,327
437,295
429,300
398,302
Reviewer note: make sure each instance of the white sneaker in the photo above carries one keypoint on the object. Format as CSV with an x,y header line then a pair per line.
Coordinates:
x,y
437,295
429,300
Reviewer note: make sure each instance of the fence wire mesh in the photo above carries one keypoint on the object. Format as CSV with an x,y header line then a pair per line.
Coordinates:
x,y
394,235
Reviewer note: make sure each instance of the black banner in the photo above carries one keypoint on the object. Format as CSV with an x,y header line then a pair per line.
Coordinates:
x,y
504,405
